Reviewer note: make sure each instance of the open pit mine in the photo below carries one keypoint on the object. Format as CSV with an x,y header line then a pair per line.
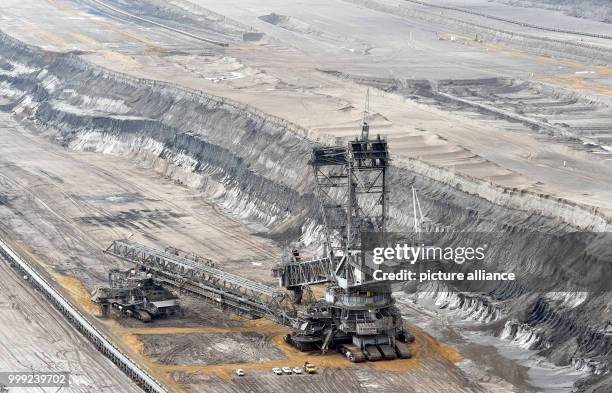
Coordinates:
x,y
262,196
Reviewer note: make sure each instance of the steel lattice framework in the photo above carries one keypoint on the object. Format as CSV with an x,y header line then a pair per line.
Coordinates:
x,y
198,276
330,165
351,188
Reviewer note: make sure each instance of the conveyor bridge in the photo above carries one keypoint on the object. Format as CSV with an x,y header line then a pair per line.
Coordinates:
x,y
296,274
198,276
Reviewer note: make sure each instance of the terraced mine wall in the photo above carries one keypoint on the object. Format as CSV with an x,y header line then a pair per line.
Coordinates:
x,y
568,49
598,10
257,166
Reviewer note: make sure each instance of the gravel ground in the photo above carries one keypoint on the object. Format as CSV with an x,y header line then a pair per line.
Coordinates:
x,y
210,348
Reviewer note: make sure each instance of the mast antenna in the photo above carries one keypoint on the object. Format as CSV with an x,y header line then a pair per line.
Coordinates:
x,y
365,127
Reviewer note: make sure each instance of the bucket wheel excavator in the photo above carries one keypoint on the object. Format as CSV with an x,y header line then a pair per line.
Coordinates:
x,y
358,316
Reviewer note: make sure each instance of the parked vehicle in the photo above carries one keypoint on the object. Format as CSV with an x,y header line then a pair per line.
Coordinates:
x,y
310,368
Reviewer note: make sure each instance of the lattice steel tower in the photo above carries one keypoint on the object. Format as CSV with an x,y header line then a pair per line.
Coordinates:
x,y
358,316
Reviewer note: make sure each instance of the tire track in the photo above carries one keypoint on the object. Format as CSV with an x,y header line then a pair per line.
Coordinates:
x,y
76,356
511,21
182,32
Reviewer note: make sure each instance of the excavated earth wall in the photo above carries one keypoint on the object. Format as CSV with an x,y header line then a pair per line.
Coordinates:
x,y
256,166
482,30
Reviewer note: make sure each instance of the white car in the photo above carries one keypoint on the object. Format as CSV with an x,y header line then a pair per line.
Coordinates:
x,y
240,372
287,370
297,370
277,371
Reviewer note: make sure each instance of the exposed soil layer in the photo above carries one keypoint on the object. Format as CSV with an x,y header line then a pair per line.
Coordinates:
x,y
589,9
478,28
257,165
198,20
210,348
584,123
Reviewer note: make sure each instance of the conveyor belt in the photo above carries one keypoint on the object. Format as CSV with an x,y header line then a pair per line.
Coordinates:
x,y
104,345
